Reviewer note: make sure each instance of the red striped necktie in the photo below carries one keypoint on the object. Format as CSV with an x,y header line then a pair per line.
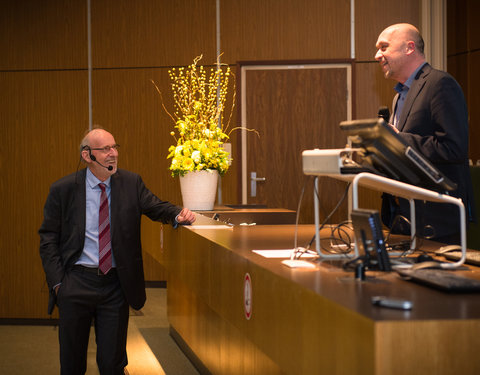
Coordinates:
x,y
104,240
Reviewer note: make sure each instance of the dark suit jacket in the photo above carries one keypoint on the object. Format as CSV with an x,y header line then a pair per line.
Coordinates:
x,y
434,121
62,233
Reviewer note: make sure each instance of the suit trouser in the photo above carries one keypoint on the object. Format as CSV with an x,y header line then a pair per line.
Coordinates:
x,y
83,296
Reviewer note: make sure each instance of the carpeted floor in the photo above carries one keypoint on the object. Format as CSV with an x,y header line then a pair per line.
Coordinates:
x,y
151,350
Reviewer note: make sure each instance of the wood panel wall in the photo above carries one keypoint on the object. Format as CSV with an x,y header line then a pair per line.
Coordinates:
x,y
41,35
463,60
285,29
44,109
44,94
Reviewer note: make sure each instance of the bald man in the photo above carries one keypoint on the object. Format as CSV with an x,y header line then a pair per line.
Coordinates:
x,y
92,256
429,113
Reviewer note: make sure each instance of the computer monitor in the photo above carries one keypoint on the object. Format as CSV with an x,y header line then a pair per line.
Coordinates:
x,y
388,155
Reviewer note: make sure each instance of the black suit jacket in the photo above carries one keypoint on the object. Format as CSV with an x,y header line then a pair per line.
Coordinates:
x,y
62,233
434,121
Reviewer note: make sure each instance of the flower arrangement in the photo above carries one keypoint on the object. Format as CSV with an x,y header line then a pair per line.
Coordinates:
x,y
198,117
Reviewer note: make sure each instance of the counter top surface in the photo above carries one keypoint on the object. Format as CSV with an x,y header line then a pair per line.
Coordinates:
x,y
329,279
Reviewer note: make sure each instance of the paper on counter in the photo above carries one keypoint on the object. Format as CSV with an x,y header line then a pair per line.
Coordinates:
x,y
298,263
281,253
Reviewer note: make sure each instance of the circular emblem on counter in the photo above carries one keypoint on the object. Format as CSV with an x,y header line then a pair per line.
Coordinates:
x,y
247,296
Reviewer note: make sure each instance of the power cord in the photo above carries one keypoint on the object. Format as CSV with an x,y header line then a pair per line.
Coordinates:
x,y
299,251
327,219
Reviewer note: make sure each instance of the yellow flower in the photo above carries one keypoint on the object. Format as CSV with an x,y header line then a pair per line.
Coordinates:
x,y
188,164
197,105
198,116
196,157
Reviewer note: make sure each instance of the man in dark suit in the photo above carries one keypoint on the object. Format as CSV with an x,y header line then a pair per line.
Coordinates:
x,y
100,206
430,115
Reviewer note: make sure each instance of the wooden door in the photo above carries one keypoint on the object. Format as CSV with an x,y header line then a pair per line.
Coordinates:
x,y
294,108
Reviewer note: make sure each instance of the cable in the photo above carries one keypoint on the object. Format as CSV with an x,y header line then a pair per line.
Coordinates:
x,y
404,245
331,213
297,216
340,233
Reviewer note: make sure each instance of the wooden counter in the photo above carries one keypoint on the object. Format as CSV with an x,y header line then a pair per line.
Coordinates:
x,y
251,215
307,321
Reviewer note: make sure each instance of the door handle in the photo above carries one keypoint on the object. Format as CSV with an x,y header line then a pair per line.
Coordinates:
x,y
253,183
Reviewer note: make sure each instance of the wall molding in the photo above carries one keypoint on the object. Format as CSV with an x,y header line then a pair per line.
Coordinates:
x,y
434,32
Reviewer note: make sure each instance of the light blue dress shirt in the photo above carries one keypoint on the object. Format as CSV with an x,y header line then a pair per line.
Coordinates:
x,y
89,257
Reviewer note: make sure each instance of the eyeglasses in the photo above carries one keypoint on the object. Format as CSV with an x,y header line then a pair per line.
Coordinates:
x,y
106,149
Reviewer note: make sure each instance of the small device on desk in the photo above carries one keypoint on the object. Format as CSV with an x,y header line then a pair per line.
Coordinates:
x,y
392,303
369,239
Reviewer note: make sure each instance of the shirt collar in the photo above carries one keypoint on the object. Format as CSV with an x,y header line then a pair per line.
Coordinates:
x,y
93,181
399,87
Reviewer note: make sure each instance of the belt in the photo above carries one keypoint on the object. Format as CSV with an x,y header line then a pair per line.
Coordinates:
x,y
94,270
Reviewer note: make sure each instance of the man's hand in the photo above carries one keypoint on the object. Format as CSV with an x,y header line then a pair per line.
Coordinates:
x,y
394,128
186,216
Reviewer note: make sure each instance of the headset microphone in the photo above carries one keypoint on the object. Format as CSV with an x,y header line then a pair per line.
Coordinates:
x,y
109,167
93,158
104,166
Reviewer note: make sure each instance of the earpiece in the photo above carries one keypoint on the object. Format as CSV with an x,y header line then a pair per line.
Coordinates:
x,y
92,157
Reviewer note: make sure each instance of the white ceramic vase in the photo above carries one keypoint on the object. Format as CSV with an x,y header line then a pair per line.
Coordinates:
x,y
199,189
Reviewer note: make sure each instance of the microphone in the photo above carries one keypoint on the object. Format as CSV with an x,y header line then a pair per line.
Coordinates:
x,y
104,166
96,161
384,112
